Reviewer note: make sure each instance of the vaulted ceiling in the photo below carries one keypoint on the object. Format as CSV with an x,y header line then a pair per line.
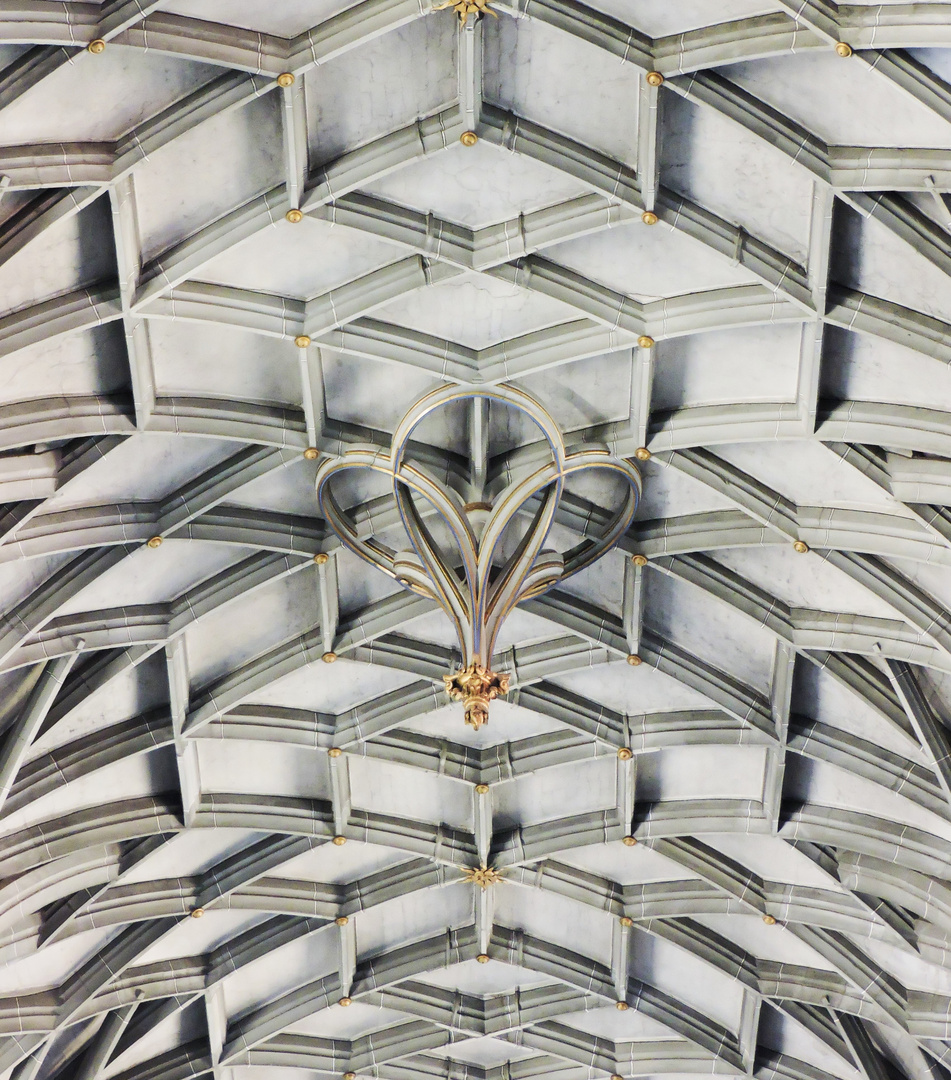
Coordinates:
x,y
733,857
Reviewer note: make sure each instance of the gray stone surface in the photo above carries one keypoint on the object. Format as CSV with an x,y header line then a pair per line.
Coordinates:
x,y
165,714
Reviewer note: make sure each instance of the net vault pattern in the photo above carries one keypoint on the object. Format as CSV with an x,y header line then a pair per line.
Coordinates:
x,y
236,809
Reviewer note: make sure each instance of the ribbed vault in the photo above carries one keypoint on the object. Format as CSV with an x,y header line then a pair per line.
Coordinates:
x,y
778,339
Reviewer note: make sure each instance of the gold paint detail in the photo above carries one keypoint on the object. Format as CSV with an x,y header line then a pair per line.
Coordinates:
x,y
339,840
329,657
843,49
630,841
334,751
482,958
311,453
649,217
285,79
294,216
469,507
639,560
626,920
482,789
465,8
801,546
654,78
645,341
483,876
197,912
348,1076
302,341
625,753
622,1006
642,453
96,47
155,542
769,920
341,920
468,138
634,660
476,686
322,558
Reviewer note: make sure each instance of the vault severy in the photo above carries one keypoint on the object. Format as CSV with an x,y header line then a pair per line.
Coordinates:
x,y
777,341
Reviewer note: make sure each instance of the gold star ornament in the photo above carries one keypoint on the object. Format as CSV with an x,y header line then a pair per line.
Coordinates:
x,y
483,876
465,8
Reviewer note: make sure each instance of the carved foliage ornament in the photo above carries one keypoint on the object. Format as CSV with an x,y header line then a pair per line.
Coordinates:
x,y
465,8
476,537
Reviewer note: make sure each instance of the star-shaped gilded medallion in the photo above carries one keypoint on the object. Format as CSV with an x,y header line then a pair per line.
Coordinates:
x,y
465,8
483,876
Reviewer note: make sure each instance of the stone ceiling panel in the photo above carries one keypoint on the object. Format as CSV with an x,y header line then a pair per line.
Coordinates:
x,y
244,833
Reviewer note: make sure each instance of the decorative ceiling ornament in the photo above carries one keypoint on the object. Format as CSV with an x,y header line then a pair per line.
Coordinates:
x,y
465,8
483,876
493,519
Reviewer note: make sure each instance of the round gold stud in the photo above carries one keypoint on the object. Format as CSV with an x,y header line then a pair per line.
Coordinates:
x,y
349,1076
482,958
626,920
294,216
654,78
649,217
630,841
321,558
340,840
482,789
642,453
622,1006
645,341
468,138
801,546
302,341
342,920
843,49
639,560
311,453
329,657
625,753
334,751
616,1076
285,79
634,660
96,47
155,542
197,912
769,920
